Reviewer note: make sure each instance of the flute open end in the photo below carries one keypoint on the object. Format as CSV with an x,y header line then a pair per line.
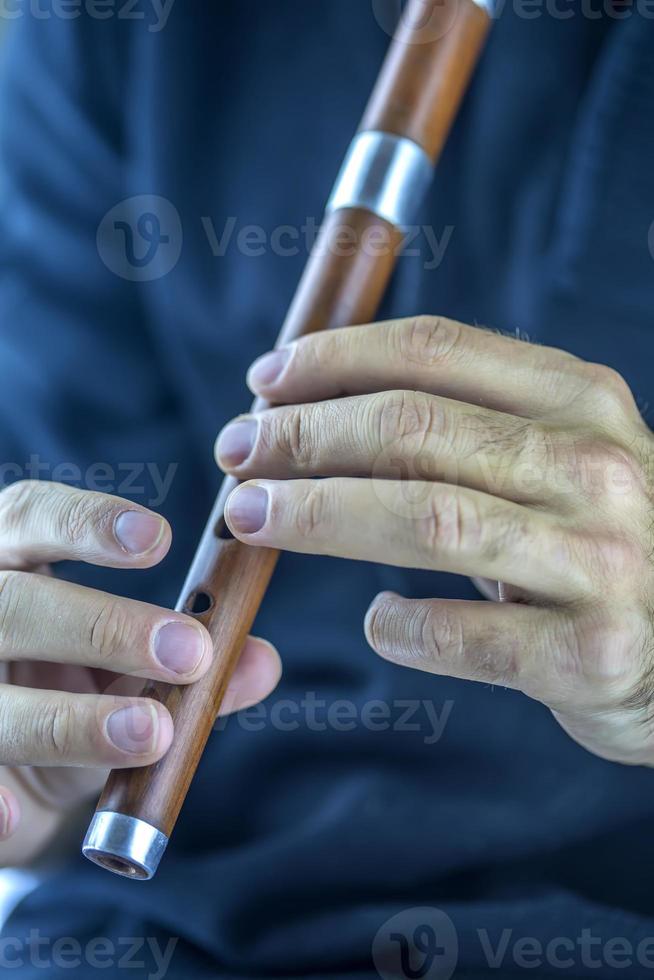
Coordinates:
x,y
125,845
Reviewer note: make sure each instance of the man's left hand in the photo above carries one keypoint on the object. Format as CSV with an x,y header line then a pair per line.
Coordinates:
x,y
447,447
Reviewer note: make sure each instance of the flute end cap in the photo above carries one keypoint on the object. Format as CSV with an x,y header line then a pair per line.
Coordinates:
x,y
124,845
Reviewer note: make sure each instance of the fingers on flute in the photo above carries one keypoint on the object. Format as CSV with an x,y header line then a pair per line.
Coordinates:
x,y
53,728
415,525
429,353
401,434
42,618
257,674
516,646
44,522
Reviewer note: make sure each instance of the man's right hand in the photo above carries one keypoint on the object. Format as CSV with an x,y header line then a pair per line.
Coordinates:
x,y
59,640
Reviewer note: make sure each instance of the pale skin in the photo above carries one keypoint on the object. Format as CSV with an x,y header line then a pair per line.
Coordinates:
x,y
75,658
442,446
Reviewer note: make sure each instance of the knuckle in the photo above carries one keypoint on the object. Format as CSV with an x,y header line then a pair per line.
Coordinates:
x,y
55,728
429,636
453,524
608,390
440,636
16,502
315,353
606,469
289,433
604,655
611,380
427,340
407,415
409,632
74,517
623,561
615,560
314,517
109,631
12,585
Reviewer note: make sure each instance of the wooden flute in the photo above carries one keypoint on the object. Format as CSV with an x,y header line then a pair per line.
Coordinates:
x,y
385,175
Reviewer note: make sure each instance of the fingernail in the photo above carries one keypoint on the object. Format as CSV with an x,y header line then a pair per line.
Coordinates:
x,y
137,532
179,647
134,729
248,509
236,442
267,369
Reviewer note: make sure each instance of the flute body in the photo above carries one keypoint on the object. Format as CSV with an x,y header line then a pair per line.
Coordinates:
x,y
387,170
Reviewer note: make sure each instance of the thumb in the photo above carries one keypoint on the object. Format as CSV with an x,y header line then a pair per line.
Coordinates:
x,y
256,676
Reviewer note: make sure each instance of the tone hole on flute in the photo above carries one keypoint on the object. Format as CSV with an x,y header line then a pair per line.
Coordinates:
x,y
198,603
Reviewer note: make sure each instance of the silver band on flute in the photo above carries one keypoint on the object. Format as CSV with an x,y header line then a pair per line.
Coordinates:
x,y
125,845
385,174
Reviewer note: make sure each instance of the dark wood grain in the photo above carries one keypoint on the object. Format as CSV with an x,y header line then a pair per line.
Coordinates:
x,y
417,95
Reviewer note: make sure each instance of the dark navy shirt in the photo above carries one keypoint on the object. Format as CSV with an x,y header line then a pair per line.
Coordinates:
x,y
304,837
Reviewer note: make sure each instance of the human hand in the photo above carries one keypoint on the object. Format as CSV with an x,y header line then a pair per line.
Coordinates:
x,y
451,448
64,645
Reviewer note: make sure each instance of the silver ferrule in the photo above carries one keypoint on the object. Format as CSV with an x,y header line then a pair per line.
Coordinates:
x,y
125,845
388,175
